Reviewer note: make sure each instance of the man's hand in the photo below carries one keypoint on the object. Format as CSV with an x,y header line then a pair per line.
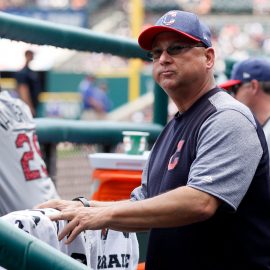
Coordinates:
x,y
60,204
81,219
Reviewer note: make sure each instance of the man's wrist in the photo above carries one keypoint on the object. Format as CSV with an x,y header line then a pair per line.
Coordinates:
x,y
83,200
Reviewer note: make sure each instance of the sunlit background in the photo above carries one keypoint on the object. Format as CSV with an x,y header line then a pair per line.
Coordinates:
x,y
240,29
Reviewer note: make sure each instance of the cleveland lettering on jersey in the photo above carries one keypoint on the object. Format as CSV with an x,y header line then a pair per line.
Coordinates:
x,y
14,113
4,121
113,261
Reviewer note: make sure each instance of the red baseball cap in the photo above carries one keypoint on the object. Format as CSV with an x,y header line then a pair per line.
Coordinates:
x,y
248,70
228,84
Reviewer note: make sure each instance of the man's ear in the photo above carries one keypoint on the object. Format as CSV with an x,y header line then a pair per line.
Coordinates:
x,y
256,87
210,57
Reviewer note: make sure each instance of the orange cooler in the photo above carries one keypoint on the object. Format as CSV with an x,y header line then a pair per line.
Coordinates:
x,y
115,175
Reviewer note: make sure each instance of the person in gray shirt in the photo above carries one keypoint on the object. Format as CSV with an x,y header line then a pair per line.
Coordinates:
x,y
250,84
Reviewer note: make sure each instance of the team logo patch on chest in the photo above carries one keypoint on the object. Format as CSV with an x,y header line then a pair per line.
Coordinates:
x,y
175,157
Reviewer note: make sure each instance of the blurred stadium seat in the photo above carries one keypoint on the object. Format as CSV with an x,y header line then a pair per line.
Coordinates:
x,y
221,6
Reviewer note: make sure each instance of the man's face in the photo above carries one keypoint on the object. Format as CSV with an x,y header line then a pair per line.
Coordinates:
x,y
243,92
177,71
29,56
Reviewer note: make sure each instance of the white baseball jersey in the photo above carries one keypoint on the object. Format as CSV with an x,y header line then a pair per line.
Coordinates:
x,y
37,223
24,181
114,250
98,249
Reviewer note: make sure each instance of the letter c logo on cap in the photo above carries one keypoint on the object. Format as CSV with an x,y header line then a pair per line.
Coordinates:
x,y
169,18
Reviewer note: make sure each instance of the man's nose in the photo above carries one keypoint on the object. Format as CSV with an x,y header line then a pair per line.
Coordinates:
x,y
164,57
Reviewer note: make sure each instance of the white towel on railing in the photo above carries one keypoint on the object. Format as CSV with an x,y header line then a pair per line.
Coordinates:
x,y
98,249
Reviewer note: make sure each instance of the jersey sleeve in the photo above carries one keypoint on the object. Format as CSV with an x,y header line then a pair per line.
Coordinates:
x,y
228,153
140,193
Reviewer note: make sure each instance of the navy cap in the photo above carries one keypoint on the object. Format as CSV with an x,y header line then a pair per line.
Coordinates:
x,y
186,24
248,70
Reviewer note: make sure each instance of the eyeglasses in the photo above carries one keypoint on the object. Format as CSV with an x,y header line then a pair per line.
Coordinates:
x,y
234,89
171,50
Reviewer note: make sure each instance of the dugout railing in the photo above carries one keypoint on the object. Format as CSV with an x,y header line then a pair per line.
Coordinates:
x,y
30,253
107,134
19,250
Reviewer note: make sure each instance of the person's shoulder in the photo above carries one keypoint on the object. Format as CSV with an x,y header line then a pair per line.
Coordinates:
x,y
7,102
21,74
223,102
23,70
